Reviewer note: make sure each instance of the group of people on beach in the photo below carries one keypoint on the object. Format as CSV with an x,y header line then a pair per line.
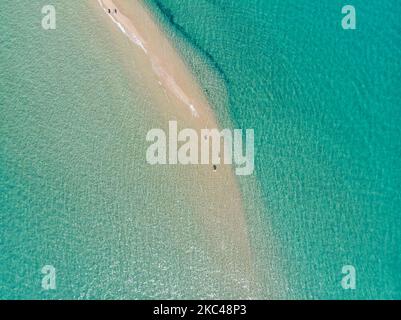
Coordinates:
x,y
115,11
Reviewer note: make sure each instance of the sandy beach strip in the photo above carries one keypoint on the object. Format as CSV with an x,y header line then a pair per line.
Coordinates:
x,y
172,73
216,194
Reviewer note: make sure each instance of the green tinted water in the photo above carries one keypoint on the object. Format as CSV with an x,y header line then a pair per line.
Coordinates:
x,y
325,106
76,192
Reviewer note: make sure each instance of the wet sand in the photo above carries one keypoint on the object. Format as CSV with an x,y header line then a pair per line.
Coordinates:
x,y
215,194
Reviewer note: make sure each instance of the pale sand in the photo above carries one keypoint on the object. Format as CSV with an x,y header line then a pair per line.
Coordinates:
x,y
180,97
172,73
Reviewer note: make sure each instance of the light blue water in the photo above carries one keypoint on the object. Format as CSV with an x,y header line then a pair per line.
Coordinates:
x,y
76,191
325,104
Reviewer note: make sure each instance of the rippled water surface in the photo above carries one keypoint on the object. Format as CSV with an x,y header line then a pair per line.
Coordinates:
x,y
325,105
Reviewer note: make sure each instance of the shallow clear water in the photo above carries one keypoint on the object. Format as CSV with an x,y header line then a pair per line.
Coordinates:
x,y
76,192
324,103
325,106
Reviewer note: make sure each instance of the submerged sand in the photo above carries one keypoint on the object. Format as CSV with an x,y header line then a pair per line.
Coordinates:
x,y
179,96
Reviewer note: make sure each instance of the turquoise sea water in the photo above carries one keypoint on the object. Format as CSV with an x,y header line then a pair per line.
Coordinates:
x,y
325,104
76,192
